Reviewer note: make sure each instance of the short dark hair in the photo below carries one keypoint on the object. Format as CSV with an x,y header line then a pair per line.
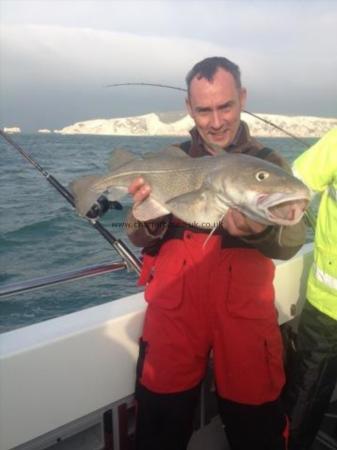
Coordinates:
x,y
207,68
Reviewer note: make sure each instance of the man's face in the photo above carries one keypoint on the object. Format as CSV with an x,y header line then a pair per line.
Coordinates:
x,y
215,107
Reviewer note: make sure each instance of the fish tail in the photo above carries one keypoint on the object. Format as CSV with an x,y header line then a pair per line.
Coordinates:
x,y
84,194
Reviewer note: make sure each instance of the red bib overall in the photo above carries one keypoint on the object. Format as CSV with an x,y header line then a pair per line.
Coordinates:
x,y
202,298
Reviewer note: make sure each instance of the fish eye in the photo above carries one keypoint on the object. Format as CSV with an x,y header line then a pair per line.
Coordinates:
x,y
262,175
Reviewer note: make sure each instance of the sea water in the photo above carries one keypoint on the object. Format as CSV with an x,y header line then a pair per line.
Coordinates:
x,y
41,235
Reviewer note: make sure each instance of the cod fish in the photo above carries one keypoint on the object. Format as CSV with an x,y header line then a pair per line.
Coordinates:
x,y
199,191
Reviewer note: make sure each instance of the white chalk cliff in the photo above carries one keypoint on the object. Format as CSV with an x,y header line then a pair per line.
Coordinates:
x,y
157,125
12,130
44,130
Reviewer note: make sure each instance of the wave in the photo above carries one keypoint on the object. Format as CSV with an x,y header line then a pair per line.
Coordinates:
x,y
47,227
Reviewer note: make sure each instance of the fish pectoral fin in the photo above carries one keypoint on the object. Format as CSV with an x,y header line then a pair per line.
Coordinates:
x,y
84,195
120,157
196,207
149,209
174,152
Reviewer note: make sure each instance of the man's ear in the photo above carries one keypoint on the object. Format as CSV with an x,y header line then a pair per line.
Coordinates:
x,y
188,106
243,98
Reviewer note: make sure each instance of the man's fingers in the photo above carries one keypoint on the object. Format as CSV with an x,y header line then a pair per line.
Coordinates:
x,y
141,194
230,223
237,224
139,190
135,185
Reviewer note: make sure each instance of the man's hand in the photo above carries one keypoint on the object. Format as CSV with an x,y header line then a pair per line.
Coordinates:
x,y
139,190
237,224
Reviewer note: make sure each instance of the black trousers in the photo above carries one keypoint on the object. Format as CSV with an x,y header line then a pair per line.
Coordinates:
x,y
311,377
254,427
165,422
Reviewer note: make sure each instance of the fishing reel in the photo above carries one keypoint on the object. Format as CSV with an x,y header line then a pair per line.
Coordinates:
x,y
101,206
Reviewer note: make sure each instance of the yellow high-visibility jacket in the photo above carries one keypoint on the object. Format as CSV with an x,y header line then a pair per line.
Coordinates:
x,y
317,168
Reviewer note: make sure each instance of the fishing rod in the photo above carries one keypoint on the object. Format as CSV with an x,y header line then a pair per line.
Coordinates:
x,y
167,86
96,211
309,214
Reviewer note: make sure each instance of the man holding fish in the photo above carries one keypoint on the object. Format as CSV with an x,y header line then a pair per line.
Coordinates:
x,y
215,297
210,213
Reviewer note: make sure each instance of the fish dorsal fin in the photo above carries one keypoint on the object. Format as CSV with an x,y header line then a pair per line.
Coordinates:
x,y
120,157
149,209
172,151
198,208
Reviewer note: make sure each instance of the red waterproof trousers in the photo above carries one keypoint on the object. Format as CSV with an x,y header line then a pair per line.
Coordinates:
x,y
202,298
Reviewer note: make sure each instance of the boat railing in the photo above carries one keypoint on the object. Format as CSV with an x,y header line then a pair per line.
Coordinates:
x,y
64,277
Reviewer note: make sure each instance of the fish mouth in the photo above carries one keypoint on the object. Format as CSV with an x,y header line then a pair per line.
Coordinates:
x,y
284,211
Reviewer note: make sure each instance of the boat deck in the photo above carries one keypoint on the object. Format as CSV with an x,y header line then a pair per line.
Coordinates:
x,y
211,437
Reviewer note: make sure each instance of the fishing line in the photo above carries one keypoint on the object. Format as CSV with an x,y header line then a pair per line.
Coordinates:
x,y
167,86
120,247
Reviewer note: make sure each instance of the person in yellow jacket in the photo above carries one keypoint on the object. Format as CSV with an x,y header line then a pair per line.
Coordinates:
x,y
314,374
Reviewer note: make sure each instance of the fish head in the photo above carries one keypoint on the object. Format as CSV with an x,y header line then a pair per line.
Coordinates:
x,y
262,190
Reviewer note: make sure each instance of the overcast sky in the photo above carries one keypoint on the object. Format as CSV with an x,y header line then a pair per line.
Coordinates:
x,y
57,56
